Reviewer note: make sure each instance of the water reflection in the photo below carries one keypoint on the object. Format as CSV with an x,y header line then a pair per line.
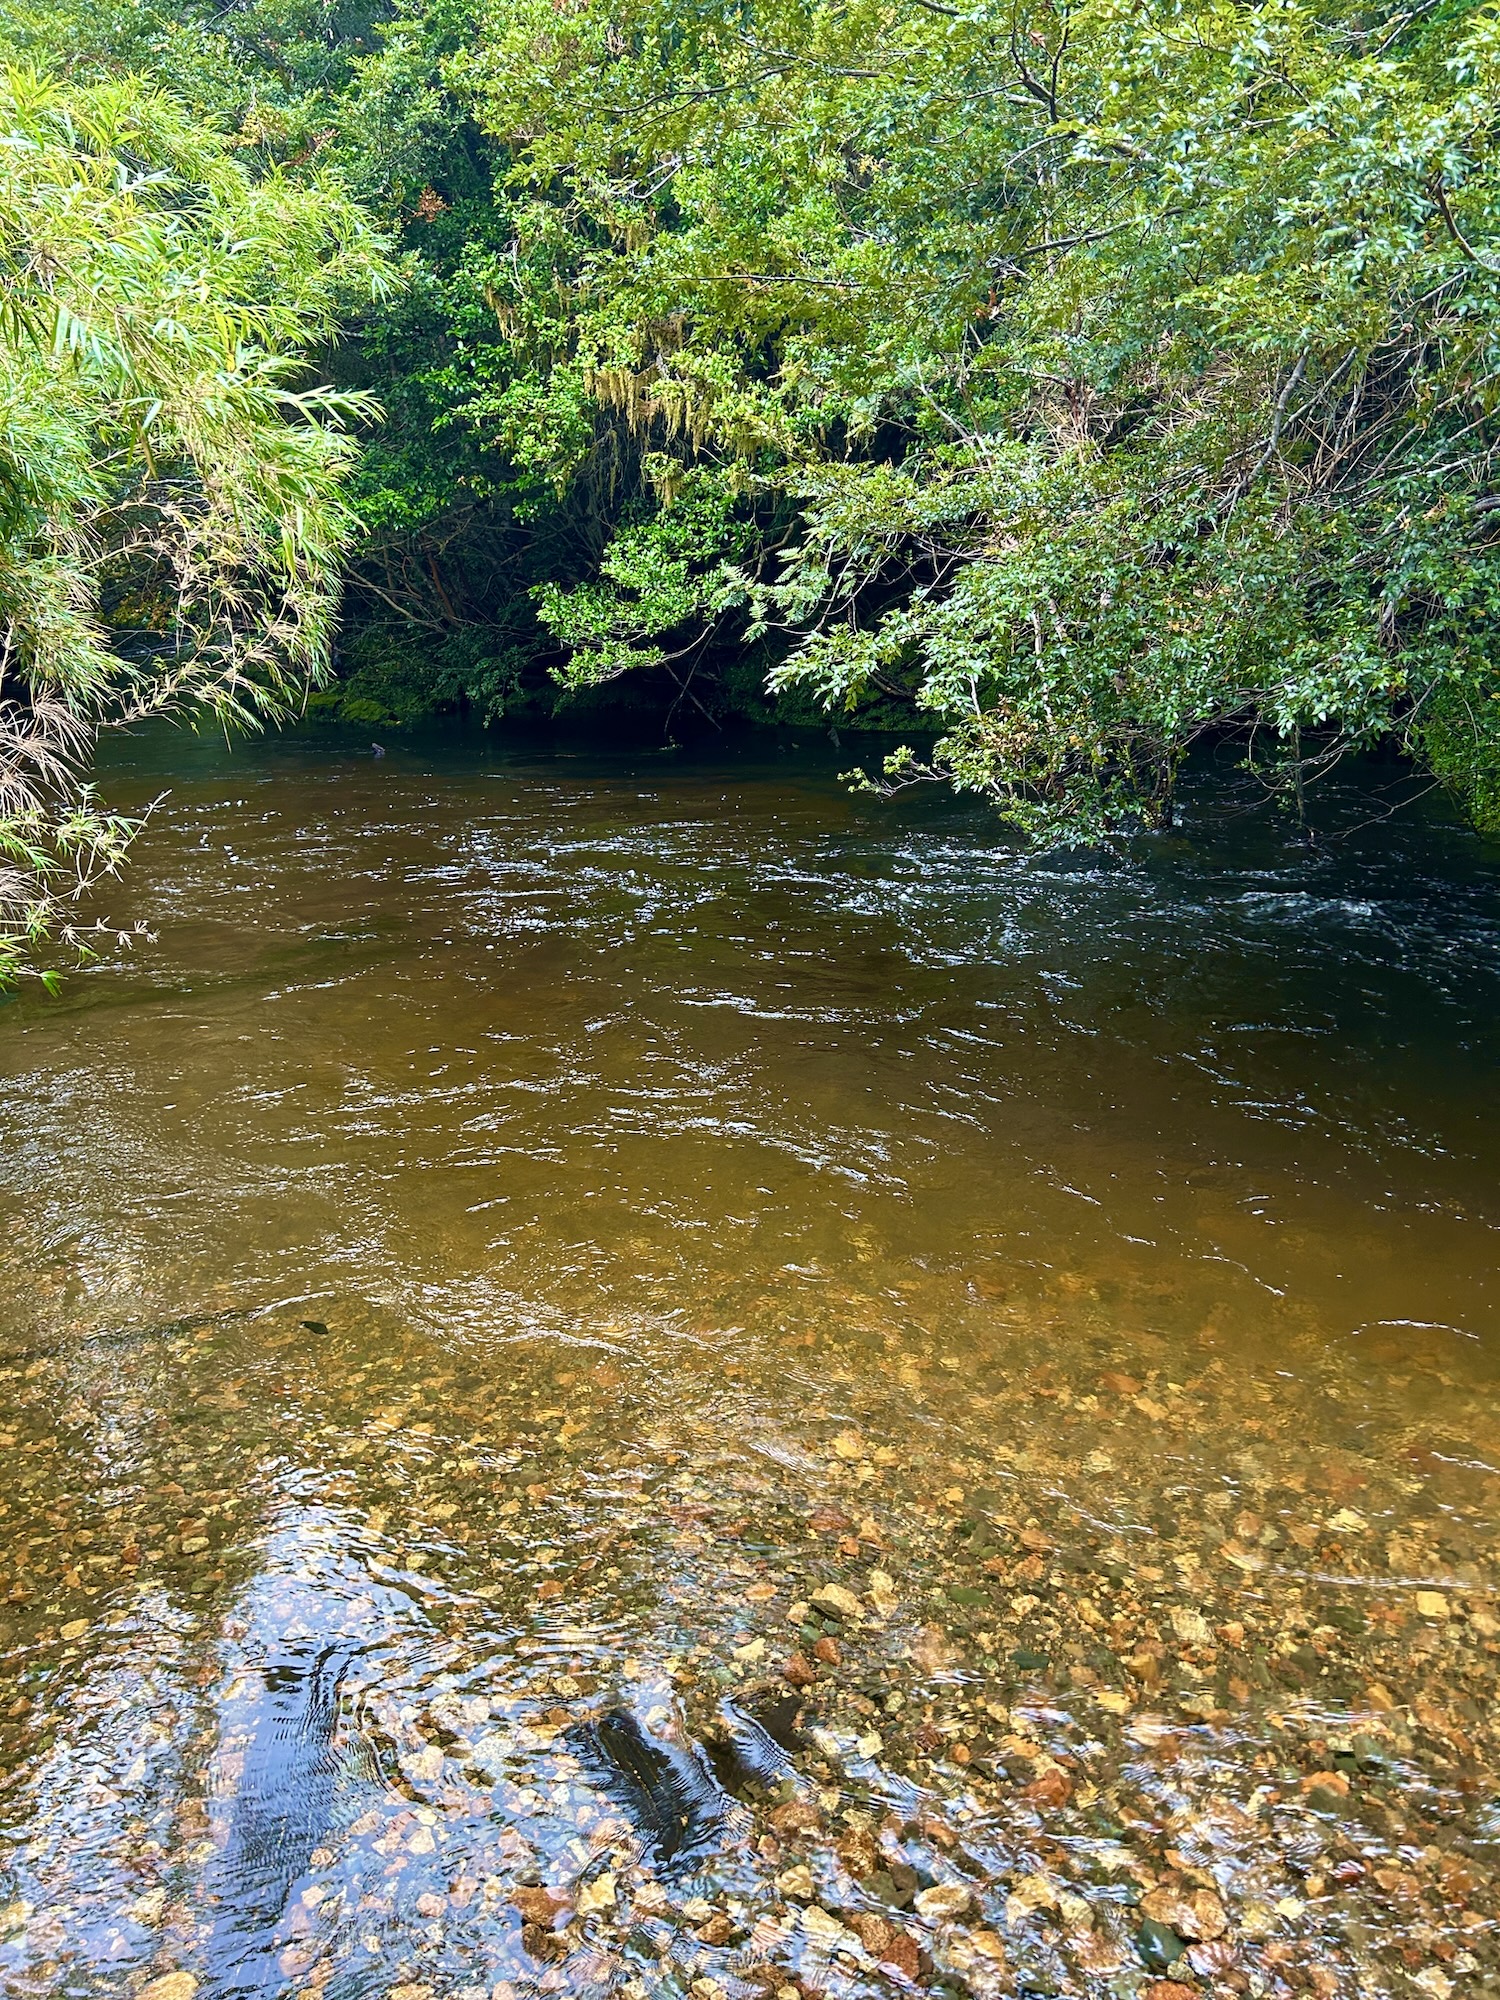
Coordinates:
x,y
547,1263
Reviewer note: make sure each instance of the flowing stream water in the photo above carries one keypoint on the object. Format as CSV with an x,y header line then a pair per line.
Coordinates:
x,y
629,1374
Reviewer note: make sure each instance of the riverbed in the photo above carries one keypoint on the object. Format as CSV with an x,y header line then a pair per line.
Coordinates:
x,y
627,1373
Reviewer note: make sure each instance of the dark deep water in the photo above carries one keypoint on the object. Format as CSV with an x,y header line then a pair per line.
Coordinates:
x,y
533,1219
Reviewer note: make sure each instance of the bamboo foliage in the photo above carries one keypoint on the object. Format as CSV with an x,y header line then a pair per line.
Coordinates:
x,y
171,522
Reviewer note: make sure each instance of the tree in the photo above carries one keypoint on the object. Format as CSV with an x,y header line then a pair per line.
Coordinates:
x,y
1132,370
1072,379
172,522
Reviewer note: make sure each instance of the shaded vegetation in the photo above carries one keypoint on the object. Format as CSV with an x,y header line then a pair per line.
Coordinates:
x,y
1057,384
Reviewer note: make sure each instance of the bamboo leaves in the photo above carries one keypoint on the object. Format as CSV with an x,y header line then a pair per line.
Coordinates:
x,y
172,527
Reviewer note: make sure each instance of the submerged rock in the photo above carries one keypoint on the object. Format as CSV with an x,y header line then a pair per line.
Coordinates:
x,y
1158,1945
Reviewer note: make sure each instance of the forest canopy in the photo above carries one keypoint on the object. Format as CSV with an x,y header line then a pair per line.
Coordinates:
x,y
1055,384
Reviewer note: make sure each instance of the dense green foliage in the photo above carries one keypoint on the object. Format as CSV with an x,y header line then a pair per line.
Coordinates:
x,y
1069,381
1132,369
172,514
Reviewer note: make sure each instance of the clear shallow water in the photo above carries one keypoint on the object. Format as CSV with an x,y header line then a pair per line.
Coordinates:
x,y
529,1222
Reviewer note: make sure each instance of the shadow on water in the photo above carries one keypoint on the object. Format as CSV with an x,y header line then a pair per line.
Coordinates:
x,y
668,1790
282,1804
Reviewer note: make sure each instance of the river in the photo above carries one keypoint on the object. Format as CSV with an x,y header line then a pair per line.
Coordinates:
x,y
625,1373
